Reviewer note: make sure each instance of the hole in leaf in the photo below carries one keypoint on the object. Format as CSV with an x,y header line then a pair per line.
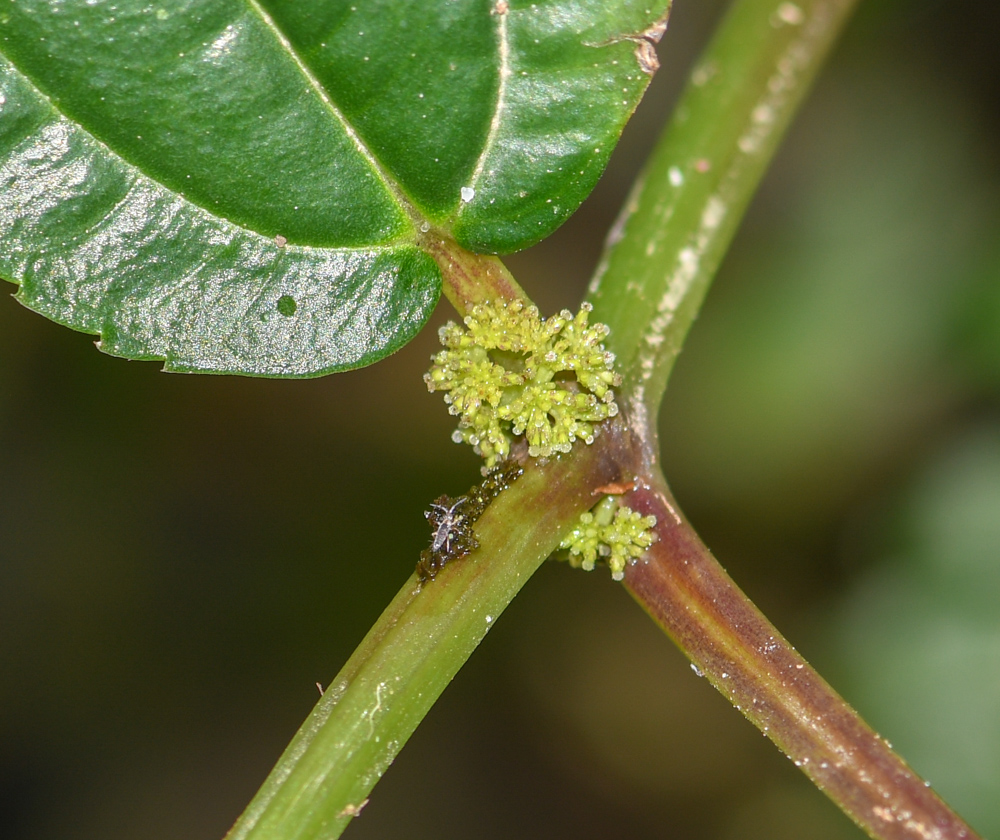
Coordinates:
x,y
287,305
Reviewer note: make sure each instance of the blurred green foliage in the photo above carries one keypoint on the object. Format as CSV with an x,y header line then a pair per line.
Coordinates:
x,y
181,558
917,639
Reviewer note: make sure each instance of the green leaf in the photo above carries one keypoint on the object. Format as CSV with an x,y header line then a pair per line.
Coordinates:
x,y
243,185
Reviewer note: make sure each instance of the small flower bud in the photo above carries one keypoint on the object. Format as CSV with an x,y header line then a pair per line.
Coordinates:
x,y
500,375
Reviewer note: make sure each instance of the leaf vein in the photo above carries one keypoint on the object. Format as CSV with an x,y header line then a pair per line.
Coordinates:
x,y
503,56
383,173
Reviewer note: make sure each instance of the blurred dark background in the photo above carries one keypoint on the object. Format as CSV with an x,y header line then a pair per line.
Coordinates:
x,y
182,558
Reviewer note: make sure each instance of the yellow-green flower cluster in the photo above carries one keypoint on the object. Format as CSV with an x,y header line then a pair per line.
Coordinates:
x,y
510,372
616,534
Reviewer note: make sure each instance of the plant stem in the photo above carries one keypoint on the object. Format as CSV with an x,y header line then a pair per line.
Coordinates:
x,y
729,641
664,250
661,256
470,278
414,650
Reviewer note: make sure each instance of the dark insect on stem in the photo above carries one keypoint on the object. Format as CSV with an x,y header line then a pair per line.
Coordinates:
x,y
451,534
451,520
447,522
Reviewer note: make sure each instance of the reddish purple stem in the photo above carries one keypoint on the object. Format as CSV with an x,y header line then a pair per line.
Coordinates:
x,y
685,590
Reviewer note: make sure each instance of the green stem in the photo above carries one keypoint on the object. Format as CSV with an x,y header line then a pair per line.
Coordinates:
x,y
665,249
662,254
686,205
467,278
414,650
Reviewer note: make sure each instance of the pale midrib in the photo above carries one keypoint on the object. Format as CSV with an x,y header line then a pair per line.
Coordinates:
x,y
138,174
491,137
416,217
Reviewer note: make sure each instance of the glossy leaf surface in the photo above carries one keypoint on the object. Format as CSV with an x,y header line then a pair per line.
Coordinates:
x,y
242,185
